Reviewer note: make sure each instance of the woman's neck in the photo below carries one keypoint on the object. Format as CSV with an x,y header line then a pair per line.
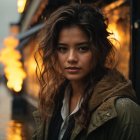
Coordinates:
x,y
77,88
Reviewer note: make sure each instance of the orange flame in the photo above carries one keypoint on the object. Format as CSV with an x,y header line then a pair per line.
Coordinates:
x,y
21,5
10,58
15,131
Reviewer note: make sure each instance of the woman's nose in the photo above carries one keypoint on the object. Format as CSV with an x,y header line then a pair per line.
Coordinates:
x,y
72,56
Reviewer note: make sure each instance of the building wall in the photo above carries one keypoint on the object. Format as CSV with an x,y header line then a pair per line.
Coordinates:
x,y
31,81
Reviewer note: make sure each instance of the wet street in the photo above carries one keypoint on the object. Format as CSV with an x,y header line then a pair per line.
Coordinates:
x,y
12,126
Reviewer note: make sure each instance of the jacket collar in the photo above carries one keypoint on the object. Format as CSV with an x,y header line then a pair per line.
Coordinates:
x,y
111,85
102,114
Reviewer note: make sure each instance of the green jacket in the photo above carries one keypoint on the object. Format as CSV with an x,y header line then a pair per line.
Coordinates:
x,y
116,116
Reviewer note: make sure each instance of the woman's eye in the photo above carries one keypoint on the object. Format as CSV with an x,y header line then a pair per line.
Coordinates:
x,y
62,49
84,49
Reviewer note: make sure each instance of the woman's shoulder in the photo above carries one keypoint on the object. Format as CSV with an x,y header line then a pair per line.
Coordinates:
x,y
128,110
127,123
126,103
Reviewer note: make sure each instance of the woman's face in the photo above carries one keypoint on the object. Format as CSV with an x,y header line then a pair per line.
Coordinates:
x,y
74,53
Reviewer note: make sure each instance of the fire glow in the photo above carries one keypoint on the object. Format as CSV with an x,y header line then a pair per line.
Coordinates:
x,y
10,58
115,37
21,5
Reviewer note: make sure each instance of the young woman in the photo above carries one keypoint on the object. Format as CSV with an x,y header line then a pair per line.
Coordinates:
x,y
83,96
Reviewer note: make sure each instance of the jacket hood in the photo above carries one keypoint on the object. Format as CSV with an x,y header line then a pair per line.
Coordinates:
x,y
113,84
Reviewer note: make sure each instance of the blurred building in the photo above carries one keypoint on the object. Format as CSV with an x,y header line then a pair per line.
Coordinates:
x,y
124,21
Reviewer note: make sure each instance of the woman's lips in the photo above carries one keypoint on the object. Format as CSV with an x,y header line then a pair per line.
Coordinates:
x,y
72,69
